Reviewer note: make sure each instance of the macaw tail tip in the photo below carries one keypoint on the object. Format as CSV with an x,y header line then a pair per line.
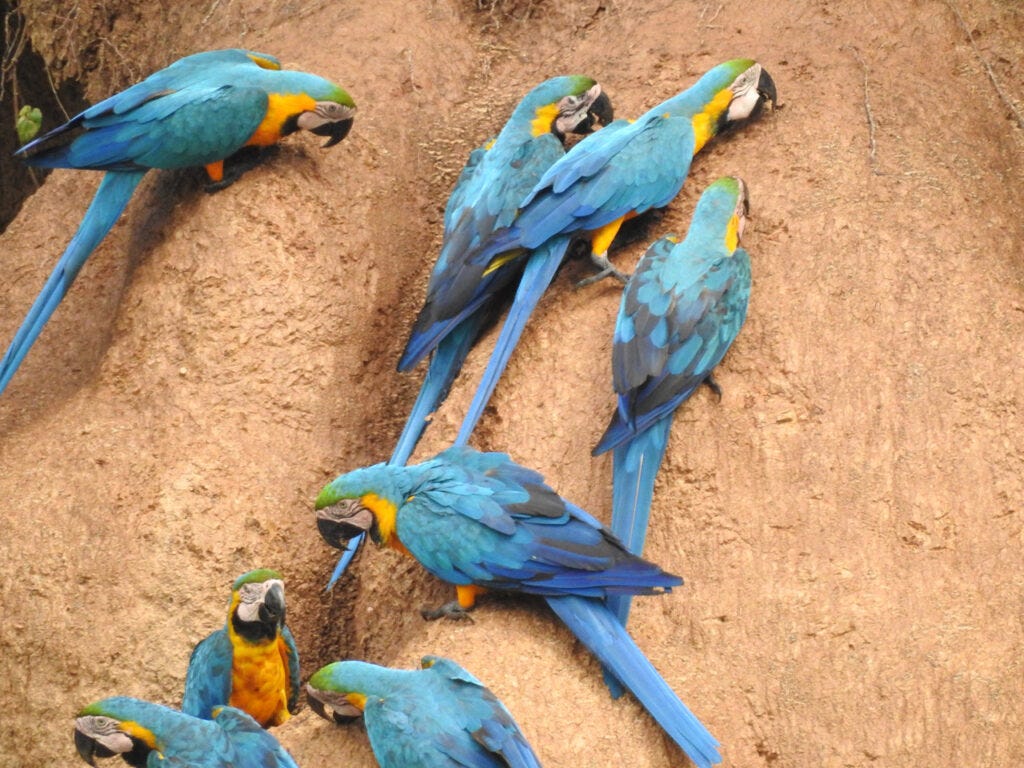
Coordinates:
x,y
344,561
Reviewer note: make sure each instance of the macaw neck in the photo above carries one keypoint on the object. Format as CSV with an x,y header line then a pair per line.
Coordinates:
x,y
372,681
526,124
705,112
719,230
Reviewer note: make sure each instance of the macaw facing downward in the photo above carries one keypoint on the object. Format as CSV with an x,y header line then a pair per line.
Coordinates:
x,y
148,735
197,111
252,662
486,197
480,521
439,716
620,172
679,314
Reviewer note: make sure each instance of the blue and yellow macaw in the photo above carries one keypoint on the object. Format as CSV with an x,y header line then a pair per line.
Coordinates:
x,y
680,312
481,522
148,735
618,173
198,111
252,662
439,716
486,197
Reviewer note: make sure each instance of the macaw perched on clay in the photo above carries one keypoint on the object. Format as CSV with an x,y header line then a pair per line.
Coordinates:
x,y
486,198
148,735
198,111
680,312
481,522
439,716
618,173
252,662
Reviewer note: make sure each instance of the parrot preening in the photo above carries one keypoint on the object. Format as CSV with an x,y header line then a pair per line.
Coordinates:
x,y
680,312
251,663
439,716
482,522
195,112
147,735
486,197
620,172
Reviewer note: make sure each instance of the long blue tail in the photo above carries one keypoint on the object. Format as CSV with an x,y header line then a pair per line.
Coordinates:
x,y
444,367
598,629
537,276
114,192
635,465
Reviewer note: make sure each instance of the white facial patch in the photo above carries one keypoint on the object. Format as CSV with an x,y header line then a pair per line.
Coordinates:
x,y
250,598
572,110
106,732
745,95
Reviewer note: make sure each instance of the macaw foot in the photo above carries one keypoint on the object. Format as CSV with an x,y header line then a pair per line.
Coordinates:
x,y
607,270
239,163
451,610
714,386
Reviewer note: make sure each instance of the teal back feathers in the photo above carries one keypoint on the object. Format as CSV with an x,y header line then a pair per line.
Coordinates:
x,y
437,715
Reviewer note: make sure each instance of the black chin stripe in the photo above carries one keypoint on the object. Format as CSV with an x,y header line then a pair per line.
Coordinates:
x,y
253,631
291,125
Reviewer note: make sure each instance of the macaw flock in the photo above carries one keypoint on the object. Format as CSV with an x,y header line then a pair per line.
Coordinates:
x,y
477,520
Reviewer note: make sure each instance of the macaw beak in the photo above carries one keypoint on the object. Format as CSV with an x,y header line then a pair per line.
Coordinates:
x,y
332,706
343,521
601,111
87,748
766,87
337,131
272,607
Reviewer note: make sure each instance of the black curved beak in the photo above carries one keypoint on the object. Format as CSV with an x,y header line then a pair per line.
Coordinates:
x,y
337,524
272,609
335,533
340,711
766,87
600,111
88,748
337,131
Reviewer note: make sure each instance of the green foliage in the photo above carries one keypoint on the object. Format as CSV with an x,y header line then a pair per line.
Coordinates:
x,y
30,120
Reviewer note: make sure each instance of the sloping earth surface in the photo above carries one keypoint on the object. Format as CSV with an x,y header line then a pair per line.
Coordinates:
x,y
848,518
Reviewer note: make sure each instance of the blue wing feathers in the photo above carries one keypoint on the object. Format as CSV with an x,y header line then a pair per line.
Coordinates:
x,y
208,678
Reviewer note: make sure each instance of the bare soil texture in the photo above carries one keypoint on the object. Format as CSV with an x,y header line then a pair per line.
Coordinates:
x,y
848,518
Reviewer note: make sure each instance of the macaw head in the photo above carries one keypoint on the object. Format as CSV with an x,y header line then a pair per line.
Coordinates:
x,y
330,117
257,605
566,104
363,501
725,205
749,90
330,113
114,726
338,691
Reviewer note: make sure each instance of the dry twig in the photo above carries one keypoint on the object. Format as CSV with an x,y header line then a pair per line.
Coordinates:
x,y
872,144
988,70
